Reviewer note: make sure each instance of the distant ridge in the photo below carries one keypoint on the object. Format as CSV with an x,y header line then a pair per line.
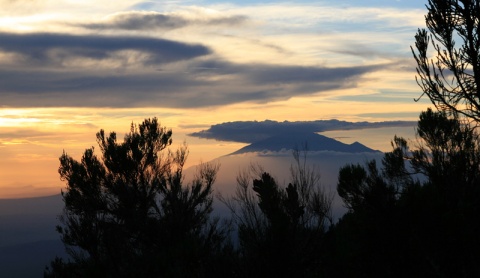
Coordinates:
x,y
315,142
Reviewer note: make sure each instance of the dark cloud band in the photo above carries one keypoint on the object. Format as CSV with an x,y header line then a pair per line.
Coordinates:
x,y
179,88
253,131
47,48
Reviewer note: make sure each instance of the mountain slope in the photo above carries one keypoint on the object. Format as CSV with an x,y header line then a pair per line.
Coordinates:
x,y
313,141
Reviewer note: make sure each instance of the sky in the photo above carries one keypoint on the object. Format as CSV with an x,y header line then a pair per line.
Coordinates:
x,y
71,68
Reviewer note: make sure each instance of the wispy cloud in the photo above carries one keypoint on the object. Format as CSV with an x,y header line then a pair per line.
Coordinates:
x,y
150,20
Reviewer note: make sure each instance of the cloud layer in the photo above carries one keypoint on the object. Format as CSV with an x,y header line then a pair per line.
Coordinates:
x,y
59,70
176,55
253,131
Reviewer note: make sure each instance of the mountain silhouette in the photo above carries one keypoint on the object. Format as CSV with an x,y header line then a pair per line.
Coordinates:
x,y
313,141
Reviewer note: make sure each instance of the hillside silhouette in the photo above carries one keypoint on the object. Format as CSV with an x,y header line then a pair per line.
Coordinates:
x,y
313,141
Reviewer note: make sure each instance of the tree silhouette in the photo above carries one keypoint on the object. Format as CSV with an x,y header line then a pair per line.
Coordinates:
x,y
446,208
129,213
281,230
448,202
451,79
418,215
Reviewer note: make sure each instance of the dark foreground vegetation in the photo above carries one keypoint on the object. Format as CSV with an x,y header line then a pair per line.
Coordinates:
x,y
129,212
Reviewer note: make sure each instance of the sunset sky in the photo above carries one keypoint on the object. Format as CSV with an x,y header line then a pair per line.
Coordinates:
x,y
70,68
